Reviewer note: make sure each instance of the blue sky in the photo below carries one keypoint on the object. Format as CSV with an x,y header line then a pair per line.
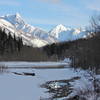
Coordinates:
x,y
48,13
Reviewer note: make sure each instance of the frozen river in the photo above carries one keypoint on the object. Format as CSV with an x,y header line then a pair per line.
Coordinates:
x,y
21,87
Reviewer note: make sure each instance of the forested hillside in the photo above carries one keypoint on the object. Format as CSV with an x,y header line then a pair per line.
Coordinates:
x,y
83,52
12,48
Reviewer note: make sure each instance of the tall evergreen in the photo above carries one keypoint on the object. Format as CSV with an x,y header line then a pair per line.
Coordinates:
x,y
9,43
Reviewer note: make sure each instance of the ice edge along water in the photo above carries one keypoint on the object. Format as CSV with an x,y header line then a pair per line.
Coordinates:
x,y
19,64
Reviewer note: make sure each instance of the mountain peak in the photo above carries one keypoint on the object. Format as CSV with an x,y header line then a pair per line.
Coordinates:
x,y
18,15
58,29
15,19
60,32
61,27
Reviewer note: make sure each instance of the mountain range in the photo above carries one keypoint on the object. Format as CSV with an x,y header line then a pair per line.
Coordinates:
x,y
37,37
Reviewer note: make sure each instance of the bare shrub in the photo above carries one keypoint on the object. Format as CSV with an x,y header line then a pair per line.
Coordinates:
x,y
88,88
3,69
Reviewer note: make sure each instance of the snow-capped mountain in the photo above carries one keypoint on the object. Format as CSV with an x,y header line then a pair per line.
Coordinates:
x,y
28,39
58,29
37,37
31,35
21,25
63,33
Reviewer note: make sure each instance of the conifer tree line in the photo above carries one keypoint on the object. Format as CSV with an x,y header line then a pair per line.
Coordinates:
x,y
82,52
12,49
8,43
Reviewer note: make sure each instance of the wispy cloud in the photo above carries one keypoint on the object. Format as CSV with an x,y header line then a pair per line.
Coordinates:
x,y
51,1
9,3
42,21
95,7
54,22
92,4
60,10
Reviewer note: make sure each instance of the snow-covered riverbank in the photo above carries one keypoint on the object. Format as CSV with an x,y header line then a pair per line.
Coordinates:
x,y
19,64
21,87
15,87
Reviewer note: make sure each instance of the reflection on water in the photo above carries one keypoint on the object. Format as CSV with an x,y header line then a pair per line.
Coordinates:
x,y
59,88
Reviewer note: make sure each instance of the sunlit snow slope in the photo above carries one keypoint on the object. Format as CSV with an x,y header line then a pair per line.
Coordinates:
x,y
37,37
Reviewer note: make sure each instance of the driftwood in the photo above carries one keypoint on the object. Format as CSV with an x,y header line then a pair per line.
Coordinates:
x,y
24,73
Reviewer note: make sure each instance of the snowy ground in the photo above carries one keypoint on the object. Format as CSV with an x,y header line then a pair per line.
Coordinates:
x,y
17,87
